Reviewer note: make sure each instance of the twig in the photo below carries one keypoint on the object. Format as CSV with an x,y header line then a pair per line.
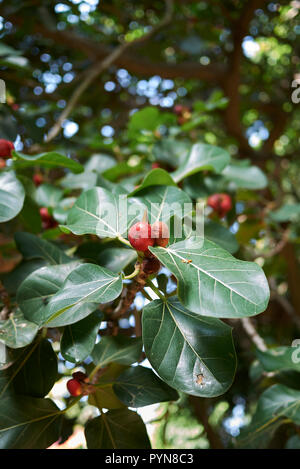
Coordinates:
x,y
98,68
253,334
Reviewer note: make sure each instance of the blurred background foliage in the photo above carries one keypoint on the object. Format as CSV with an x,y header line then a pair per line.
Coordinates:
x,y
233,67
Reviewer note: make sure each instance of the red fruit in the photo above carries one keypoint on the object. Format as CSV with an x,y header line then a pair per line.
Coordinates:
x,y
37,179
160,233
155,165
47,219
2,163
6,148
140,236
220,203
80,376
74,387
150,266
45,215
178,109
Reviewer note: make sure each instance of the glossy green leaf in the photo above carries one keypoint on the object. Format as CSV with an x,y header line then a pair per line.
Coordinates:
x,y
280,358
12,196
39,287
221,235
48,195
49,160
202,156
120,349
212,282
116,259
99,162
100,212
85,180
28,423
277,405
191,353
83,290
250,177
139,386
60,212
38,373
156,177
33,247
162,202
78,340
17,332
117,429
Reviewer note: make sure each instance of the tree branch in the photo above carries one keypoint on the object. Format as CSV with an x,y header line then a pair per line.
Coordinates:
x,y
98,68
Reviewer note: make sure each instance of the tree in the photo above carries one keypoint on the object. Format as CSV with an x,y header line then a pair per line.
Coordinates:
x,y
149,217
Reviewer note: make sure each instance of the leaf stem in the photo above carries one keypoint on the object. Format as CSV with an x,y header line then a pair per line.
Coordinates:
x,y
156,290
124,241
134,273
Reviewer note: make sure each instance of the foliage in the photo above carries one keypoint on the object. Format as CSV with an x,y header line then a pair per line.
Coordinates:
x,y
159,130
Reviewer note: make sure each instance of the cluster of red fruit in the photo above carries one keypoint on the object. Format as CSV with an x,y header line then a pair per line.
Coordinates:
x,y
220,203
6,148
142,235
76,386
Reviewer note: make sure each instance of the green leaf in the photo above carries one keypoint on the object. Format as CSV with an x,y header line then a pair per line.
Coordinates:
x,y
99,162
105,397
12,196
221,236
79,339
275,405
120,349
60,212
241,177
36,290
171,151
116,259
147,118
162,202
30,216
85,180
38,374
49,160
48,196
212,282
156,177
280,358
201,157
191,353
83,290
33,247
28,423
17,332
117,429
12,280
286,213
139,386
100,212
